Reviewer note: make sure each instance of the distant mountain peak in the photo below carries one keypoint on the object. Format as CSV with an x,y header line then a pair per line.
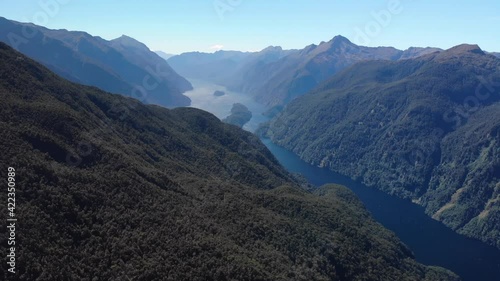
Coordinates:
x,y
465,48
340,39
337,42
413,52
421,48
272,49
129,42
164,55
126,38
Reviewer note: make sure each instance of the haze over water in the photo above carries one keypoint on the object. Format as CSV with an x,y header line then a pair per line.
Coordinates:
x,y
202,97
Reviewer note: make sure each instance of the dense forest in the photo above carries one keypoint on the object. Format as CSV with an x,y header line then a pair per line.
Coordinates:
x,y
426,129
110,189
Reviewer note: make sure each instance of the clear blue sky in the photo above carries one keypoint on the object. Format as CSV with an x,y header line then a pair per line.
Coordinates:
x,y
177,26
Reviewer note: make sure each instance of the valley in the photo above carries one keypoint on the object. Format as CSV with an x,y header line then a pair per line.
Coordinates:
x,y
251,140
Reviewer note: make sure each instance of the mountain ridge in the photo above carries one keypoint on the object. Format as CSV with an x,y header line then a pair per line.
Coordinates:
x,y
83,58
290,74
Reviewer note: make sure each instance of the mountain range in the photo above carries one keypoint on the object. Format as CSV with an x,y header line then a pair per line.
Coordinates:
x,y
274,76
112,189
426,129
221,67
123,65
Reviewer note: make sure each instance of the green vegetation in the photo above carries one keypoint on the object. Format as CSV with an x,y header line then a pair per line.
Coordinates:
x,y
111,189
427,129
240,115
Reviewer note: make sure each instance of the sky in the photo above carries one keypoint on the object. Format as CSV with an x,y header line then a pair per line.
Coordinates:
x,y
177,26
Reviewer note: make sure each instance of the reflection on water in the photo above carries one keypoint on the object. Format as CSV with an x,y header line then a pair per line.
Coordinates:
x,y
202,97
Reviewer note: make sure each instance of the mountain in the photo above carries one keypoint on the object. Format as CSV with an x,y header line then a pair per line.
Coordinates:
x,y
427,129
164,55
496,55
216,67
275,77
299,72
253,71
227,68
111,189
124,65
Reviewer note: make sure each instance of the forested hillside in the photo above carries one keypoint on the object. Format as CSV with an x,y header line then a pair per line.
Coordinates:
x,y
426,129
110,189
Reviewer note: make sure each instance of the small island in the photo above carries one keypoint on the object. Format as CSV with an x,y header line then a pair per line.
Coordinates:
x,y
240,115
219,93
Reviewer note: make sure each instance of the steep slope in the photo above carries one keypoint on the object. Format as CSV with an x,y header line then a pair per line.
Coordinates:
x,y
110,189
140,55
427,129
122,66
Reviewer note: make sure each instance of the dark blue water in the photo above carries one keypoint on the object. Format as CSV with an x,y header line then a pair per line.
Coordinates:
x,y
432,242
